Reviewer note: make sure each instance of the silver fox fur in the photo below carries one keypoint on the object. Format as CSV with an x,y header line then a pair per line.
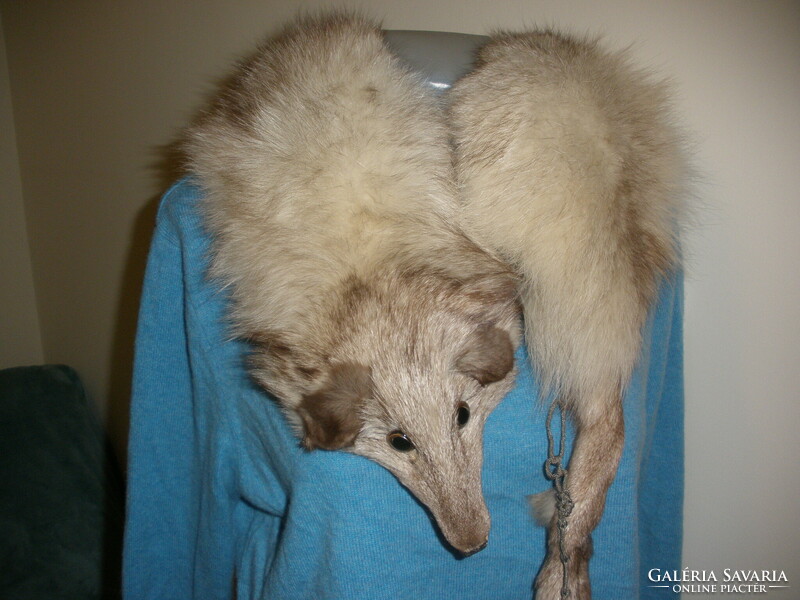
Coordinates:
x,y
374,320
570,168
381,289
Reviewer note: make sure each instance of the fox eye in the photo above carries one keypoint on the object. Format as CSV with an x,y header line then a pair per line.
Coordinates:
x,y
462,414
400,441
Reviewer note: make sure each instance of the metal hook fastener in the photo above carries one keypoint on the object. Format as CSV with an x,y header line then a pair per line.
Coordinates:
x,y
555,472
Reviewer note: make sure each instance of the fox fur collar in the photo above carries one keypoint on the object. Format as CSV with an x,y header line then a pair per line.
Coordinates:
x,y
378,249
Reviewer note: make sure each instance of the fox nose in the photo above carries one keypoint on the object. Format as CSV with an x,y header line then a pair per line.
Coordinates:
x,y
475,550
467,532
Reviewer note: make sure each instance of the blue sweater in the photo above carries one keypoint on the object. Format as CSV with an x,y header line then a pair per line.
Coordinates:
x,y
221,496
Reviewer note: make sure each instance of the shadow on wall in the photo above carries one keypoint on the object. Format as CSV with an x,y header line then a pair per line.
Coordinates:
x,y
168,168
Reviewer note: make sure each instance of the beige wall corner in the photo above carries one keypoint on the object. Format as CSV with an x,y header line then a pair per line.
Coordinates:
x,y
20,337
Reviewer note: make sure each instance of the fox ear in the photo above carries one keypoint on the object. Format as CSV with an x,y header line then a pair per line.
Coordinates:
x,y
487,356
330,415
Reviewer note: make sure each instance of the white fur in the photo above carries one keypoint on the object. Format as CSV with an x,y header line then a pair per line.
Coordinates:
x,y
570,168
318,176
331,201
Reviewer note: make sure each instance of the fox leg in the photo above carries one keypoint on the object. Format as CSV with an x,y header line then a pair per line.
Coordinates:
x,y
596,453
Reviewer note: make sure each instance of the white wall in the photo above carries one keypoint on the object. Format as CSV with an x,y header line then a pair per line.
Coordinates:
x,y
99,86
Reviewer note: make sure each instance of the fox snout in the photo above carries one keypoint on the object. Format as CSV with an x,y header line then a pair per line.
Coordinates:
x,y
452,491
465,524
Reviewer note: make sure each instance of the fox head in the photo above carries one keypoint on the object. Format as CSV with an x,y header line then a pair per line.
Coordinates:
x,y
415,368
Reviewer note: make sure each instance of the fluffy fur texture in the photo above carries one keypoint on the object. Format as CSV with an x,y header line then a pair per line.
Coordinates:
x,y
569,168
379,304
331,201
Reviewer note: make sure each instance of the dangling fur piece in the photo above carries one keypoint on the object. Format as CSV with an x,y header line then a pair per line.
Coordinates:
x,y
570,169
379,326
